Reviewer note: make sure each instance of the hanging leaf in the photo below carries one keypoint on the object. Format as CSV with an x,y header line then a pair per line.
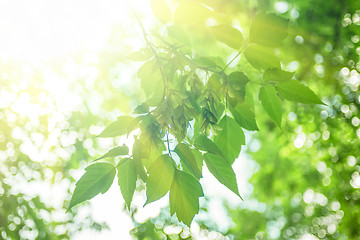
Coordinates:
x,y
203,143
123,125
184,197
142,55
191,12
237,85
244,116
151,81
230,138
238,79
138,154
177,32
222,171
277,75
228,35
97,179
127,179
188,159
261,57
141,109
295,91
117,151
161,10
271,103
161,174
268,30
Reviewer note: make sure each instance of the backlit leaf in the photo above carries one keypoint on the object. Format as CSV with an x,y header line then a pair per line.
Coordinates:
x,y
141,55
117,151
161,10
127,179
151,81
123,125
184,197
203,143
268,30
271,103
295,91
228,35
261,57
230,138
188,159
161,174
244,116
97,179
222,171
191,12
277,75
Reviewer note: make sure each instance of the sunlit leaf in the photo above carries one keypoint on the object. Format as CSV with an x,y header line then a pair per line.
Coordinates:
x,y
123,125
244,116
141,55
184,197
127,179
277,75
138,154
161,174
228,35
222,171
271,103
117,151
188,159
191,12
230,138
203,143
295,91
97,179
261,57
268,30
161,10
152,81
236,89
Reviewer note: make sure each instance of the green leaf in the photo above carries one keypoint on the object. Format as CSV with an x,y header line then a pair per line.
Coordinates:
x,y
238,79
151,81
178,33
230,138
184,197
271,103
123,125
203,143
161,10
97,179
191,12
141,109
277,75
161,174
188,159
268,30
244,116
237,85
228,35
295,91
117,151
137,154
222,171
127,179
141,55
261,57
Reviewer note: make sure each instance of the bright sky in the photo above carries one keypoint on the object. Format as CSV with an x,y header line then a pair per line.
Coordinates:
x,y
38,31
